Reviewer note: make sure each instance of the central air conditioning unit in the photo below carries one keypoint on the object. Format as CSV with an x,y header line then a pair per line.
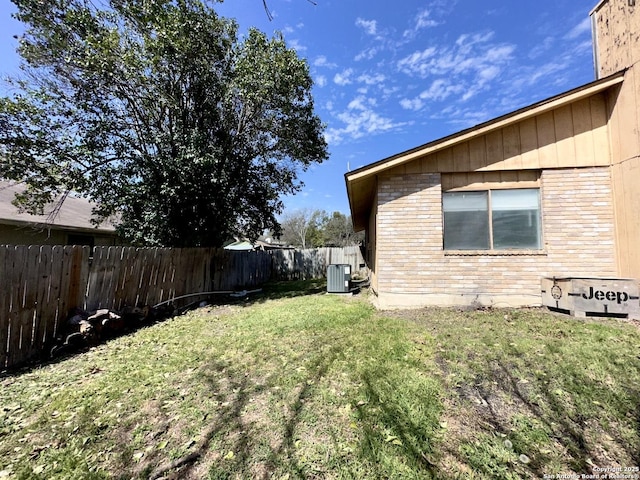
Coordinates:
x,y
338,278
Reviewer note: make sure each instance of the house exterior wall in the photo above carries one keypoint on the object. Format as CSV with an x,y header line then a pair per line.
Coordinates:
x,y
17,235
626,181
617,47
574,135
371,244
616,35
413,269
14,235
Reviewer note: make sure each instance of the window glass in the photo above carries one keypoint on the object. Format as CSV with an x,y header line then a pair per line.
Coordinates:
x,y
466,220
515,219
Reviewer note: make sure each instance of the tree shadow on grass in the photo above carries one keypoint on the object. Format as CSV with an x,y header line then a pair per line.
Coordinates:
x,y
284,454
242,454
541,419
399,425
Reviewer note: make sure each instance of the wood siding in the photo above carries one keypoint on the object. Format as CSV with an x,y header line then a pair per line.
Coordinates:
x,y
626,179
574,135
617,35
617,27
470,181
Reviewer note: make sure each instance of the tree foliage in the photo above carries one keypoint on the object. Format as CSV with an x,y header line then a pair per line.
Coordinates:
x,y
161,115
298,226
315,228
337,230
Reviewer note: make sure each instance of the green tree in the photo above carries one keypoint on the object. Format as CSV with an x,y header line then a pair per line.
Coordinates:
x,y
338,231
157,112
315,234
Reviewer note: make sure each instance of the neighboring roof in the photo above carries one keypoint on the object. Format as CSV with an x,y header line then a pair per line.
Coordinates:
x,y
361,182
246,245
74,214
240,245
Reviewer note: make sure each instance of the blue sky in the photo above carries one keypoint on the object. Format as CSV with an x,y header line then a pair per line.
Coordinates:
x,y
390,76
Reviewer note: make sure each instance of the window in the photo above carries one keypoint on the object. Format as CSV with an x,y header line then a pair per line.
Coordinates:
x,y
79,239
492,220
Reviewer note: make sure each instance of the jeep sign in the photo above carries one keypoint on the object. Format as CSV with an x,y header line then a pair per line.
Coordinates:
x,y
584,296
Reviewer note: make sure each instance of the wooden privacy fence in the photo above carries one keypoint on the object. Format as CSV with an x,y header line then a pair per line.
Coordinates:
x,y
39,285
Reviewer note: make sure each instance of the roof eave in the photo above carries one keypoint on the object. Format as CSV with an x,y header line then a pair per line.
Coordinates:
x,y
370,171
483,128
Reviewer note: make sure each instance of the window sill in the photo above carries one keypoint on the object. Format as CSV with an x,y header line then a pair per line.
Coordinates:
x,y
494,253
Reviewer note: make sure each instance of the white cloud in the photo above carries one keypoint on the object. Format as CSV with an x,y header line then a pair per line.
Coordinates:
x,y
463,117
321,80
500,54
472,59
580,29
528,77
371,79
322,61
359,103
438,91
422,20
462,69
466,40
412,104
366,54
488,73
415,61
543,47
344,77
359,120
295,44
369,26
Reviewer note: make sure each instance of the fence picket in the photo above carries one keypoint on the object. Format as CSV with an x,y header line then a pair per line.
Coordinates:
x,y
28,316
15,309
41,285
57,266
45,310
5,299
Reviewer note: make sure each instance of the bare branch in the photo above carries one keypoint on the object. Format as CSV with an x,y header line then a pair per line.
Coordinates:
x,y
266,9
270,15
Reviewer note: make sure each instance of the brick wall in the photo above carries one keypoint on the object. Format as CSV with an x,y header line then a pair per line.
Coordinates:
x,y
413,269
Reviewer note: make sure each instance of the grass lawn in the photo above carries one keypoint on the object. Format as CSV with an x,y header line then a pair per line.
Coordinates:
x,y
299,384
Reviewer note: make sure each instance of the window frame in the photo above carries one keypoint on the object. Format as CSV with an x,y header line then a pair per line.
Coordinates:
x,y
492,250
